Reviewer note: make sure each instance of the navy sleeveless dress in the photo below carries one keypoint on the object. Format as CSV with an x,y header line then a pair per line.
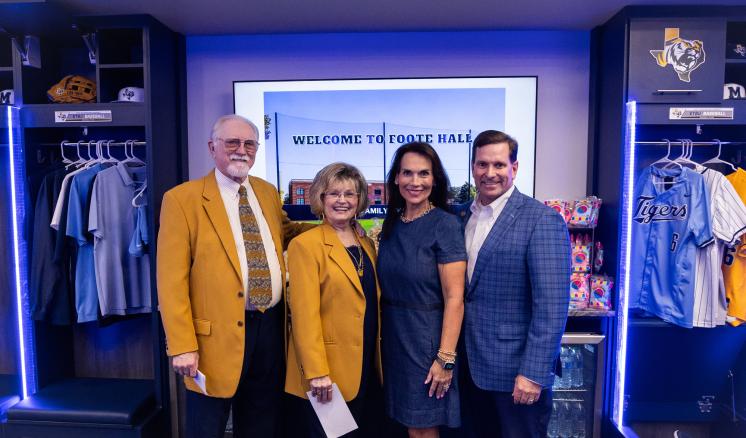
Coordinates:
x,y
412,316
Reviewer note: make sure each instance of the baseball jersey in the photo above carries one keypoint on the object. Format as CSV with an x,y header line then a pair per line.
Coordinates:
x,y
734,263
669,222
728,221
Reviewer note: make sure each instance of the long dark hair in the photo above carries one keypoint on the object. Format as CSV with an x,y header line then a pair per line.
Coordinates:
x,y
396,203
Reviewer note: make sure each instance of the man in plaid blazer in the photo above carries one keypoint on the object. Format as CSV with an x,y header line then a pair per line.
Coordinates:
x,y
516,298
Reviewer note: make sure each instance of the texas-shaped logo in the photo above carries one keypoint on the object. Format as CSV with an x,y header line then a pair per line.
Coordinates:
x,y
683,55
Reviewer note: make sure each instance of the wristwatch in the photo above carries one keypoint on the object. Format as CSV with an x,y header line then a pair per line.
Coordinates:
x,y
446,364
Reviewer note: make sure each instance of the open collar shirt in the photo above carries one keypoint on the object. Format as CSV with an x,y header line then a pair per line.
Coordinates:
x,y
480,223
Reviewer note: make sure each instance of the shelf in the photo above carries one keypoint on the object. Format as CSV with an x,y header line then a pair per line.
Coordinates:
x,y
122,114
105,66
735,61
590,313
6,68
581,227
650,322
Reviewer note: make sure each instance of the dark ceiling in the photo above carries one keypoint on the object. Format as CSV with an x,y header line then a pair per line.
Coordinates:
x,y
204,17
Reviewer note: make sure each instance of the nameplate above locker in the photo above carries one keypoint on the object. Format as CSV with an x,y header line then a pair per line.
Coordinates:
x,y
700,113
82,116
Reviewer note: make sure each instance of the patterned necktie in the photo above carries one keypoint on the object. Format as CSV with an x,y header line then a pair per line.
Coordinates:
x,y
260,283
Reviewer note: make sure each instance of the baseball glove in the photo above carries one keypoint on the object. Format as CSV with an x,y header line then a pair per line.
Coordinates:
x,y
73,89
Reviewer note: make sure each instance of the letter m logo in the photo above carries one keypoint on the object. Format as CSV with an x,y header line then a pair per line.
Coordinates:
x,y
735,92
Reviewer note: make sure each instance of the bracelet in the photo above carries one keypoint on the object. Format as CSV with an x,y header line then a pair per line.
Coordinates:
x,y
447,353
446,358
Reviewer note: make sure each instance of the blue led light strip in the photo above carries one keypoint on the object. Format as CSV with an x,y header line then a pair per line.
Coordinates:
x,y
17,256
628,192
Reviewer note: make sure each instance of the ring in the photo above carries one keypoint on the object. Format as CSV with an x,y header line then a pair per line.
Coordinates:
x,y
530,400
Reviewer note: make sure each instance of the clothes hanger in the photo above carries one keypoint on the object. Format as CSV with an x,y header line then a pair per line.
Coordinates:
x,y
676,162
667,158
717,159
80,159
132,158
683,159
111,159
140,194
65,160
126,151
90,156
96,160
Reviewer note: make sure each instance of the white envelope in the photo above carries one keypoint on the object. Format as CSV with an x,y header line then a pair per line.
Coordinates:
x,y
201,381
335,416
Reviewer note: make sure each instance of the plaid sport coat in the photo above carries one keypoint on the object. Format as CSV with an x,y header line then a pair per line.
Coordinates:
x,y
516,303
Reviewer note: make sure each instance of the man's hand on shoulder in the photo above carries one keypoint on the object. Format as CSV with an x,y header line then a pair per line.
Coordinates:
x,y
186,364
525,391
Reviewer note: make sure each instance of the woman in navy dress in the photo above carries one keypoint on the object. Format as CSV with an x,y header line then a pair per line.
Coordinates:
x,y
421,269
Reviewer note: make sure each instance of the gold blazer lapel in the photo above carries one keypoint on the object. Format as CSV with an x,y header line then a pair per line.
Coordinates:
x,y
338,253
213,204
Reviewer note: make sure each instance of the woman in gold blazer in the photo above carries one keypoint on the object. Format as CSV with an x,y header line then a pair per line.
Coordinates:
x,y
333,298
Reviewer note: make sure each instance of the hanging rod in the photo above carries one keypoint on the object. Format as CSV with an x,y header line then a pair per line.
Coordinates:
x,y
696,143
93,143
103,143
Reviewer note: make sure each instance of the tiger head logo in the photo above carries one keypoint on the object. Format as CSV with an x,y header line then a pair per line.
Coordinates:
x,y
683,55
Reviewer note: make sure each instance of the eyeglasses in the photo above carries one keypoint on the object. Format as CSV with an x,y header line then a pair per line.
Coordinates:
x,y
342,195
232,144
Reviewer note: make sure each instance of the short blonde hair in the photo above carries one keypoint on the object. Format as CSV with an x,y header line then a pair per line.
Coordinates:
x,y
331,174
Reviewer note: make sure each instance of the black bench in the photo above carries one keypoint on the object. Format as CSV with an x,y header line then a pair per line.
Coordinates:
x,y
86,408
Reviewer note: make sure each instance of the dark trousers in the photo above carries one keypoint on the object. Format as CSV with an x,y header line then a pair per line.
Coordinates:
x,y
367,410
258,399
493,414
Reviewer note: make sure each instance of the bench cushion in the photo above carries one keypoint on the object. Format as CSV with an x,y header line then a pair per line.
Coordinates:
x,y
99,401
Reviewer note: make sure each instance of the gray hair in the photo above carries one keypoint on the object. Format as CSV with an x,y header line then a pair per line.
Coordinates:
x,y
222,119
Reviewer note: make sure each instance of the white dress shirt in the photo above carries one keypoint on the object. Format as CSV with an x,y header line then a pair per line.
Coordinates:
x,y
229,192
480,223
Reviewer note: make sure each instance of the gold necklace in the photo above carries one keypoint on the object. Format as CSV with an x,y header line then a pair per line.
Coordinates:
x,y
359,261
427,210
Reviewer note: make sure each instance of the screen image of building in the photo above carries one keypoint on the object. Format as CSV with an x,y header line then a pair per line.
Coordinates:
x,y
299,192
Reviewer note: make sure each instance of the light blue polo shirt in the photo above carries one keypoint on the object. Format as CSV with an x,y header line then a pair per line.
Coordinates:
x,y
86,294
123,280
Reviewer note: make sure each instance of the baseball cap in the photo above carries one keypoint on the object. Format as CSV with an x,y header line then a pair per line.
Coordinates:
x,y
732,90
736,50
131,94
6,97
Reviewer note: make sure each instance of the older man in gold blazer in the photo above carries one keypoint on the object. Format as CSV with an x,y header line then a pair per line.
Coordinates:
x,y
220,287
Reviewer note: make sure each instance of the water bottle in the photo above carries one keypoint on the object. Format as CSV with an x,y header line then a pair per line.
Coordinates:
x,y
579,426
565,360
571,368
577,377
552,429
564,423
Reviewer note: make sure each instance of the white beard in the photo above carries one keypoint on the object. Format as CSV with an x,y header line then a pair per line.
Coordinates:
x,y
238,169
